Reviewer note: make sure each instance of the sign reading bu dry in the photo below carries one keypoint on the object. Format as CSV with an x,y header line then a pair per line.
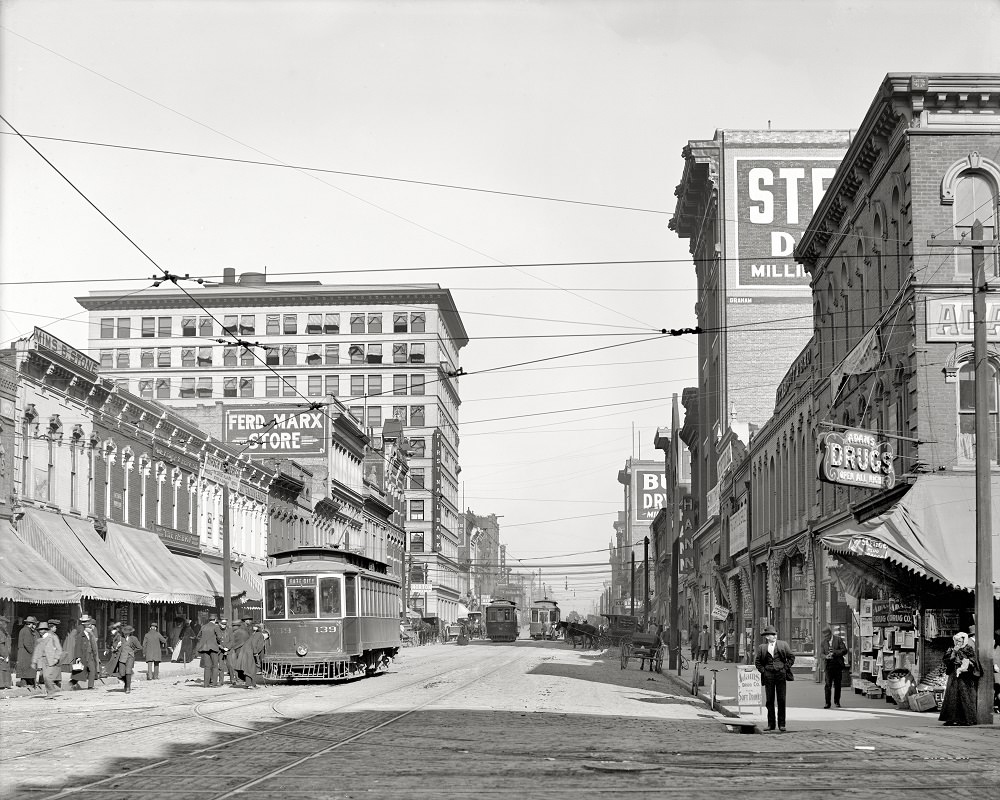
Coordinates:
x,y
271,431
856,458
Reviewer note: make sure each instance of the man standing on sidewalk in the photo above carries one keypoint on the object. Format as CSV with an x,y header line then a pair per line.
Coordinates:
x,y
834,653
209,645
774,663
89,654
47,657
704,643
27,638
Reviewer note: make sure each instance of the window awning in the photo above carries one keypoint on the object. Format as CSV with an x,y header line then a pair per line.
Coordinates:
x,y
168,578
82,558
238,587
250,572
25,577
931,531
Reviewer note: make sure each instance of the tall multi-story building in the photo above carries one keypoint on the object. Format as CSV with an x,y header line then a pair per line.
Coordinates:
x,y
744,200
480,557
297,370
643,483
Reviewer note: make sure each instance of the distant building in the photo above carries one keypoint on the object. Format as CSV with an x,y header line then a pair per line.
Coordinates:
x,y
302,371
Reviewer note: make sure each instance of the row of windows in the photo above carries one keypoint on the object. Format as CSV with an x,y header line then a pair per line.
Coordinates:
x,y
274,386
274,324
314,355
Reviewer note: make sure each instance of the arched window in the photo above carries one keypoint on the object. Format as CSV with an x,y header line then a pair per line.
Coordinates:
x,y
967,413
975,198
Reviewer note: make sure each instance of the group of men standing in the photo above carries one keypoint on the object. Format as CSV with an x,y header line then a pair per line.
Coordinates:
x,y
39,658
237,650
42,656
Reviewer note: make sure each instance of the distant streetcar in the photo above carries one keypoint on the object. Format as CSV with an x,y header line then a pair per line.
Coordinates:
x,y
330,614
544,619
501,621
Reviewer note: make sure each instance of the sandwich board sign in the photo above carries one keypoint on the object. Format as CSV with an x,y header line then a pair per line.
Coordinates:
x,y
749,690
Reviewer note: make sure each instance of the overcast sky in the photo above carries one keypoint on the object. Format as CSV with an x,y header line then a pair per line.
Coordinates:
x,y
573,101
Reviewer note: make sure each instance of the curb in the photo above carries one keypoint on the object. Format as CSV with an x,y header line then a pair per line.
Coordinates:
x,y
685,685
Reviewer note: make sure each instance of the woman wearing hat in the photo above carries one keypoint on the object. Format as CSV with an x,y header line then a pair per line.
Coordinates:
x,y
5,680
27,638
123,657
964,671
774,663
69,647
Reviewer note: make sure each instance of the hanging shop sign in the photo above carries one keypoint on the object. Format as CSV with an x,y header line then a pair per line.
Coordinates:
x,y
720,613
867,546
856,458
892,614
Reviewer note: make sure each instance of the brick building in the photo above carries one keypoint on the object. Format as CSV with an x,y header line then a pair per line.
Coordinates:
x,y
744,200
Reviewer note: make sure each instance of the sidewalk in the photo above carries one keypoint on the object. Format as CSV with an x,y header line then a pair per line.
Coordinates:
x,y
805,700
168,671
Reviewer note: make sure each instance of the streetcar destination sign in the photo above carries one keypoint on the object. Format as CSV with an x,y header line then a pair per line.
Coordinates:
x,y
856,458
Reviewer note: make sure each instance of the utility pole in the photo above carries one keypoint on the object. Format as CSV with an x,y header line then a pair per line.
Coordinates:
x,y
632,586
984,522
645,581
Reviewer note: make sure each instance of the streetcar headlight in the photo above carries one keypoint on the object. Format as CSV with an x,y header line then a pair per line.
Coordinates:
x,y
301,649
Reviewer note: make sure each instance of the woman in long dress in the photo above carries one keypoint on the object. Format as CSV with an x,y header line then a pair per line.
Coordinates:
x,y
960,696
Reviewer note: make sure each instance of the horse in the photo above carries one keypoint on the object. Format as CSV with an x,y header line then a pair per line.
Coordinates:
x,y
581,631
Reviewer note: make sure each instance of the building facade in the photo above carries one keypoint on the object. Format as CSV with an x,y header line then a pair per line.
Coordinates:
x,y
114,498
250,349
744,200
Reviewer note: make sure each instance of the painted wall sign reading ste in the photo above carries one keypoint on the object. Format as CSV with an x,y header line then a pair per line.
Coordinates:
x,y
271,431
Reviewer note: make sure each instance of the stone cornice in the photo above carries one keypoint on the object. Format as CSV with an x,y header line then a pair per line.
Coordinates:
x,y
904,104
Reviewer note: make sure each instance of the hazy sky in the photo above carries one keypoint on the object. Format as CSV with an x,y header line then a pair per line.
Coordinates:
x,y
581,101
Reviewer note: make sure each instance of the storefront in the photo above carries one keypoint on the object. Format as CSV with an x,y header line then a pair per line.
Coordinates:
x,y
903,581
791,592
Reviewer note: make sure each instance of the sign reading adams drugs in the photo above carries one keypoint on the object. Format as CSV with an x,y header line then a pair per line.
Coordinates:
x,y
273,431
856,458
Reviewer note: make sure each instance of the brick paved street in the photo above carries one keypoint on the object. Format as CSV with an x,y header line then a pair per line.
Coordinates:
x,y
493,720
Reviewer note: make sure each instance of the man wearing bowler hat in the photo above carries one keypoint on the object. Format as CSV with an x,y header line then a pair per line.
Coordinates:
x,y
209,647
774,663
47,657
27,638
88,653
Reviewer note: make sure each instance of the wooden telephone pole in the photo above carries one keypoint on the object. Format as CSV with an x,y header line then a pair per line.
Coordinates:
x,y
984,523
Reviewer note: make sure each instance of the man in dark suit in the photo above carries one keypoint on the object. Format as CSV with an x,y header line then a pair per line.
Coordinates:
x,y
209,646
774,663
834,652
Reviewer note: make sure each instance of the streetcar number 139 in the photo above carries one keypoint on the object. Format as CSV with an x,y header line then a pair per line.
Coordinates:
x,y
326,629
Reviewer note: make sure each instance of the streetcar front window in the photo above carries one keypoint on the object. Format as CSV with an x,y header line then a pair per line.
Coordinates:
x,y
329,597
302,596
274,598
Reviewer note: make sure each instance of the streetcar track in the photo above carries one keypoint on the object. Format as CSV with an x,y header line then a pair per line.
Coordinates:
x,y
270,731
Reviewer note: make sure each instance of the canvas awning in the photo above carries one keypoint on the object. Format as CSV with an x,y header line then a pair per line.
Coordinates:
x,y
463,610
250,572
25,577
82,558
169,578
238,587
931,531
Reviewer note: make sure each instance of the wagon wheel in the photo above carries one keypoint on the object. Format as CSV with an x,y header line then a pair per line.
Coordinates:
x,y
626,653
658,659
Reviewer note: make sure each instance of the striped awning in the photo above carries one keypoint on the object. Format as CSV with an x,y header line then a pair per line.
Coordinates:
x,y
239,589
25,577
169,578
82,558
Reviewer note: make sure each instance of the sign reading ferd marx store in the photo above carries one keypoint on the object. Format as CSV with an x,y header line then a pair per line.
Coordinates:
x,y
272,431
856,458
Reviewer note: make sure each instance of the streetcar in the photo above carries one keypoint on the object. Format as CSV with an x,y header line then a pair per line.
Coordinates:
x,y
544,619
330,615
501,621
